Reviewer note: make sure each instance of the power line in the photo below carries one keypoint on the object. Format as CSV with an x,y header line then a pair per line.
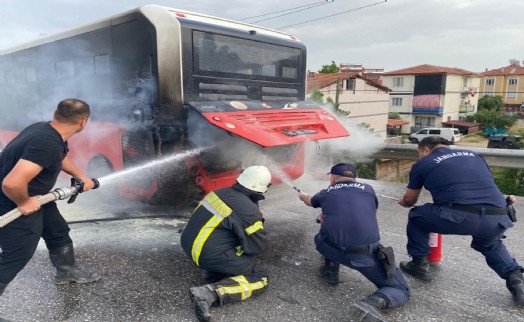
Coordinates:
x,y
336,14
272,13
289,13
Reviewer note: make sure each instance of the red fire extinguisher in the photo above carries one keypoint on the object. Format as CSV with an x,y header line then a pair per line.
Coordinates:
x,y
435,246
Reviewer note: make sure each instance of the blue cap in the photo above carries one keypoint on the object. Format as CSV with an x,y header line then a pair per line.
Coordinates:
x,y
344,170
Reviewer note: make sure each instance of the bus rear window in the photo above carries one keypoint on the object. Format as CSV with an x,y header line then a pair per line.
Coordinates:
x,y
214,54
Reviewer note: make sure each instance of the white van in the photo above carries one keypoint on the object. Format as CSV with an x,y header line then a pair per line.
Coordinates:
x,y
452,135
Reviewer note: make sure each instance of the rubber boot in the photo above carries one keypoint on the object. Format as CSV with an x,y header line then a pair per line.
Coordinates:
x,y
203,297
329,271
368,309
2,288
515,284
418,267
63,259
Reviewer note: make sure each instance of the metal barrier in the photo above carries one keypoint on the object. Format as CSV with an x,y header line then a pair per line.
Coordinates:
x,y
503,158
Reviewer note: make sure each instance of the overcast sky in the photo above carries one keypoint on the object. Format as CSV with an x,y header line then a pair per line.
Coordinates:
x,y
469,34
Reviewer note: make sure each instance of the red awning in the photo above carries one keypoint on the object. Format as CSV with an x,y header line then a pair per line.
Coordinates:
x,y
395,122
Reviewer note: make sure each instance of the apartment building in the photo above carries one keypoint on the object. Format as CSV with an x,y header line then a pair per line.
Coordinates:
x,y
507,82
366,101
432,96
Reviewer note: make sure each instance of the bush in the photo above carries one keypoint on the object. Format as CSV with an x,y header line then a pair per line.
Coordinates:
x,y
509,181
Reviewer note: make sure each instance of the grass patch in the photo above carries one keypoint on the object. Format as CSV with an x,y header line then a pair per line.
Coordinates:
x,y
476,137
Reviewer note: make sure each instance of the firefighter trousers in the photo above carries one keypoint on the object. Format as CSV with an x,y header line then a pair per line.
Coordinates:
x,y
242,277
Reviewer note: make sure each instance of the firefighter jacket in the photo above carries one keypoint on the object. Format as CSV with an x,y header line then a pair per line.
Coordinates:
x,y
226,219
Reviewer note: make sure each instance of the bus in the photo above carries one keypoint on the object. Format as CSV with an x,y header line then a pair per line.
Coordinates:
x,y
162,81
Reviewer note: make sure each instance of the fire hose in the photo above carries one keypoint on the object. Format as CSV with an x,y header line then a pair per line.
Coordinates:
x,y
77,186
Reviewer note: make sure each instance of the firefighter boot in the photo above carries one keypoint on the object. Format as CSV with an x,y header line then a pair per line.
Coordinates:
x,y
515,284
2,288
418,267
329,271
203,297
368,309
63,259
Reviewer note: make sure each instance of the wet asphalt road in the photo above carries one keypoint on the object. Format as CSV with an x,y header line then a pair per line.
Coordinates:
x,y
146,276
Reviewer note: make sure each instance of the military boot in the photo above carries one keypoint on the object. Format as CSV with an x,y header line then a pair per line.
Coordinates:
x,y
368,309
329,271
63,259
203,297
2,288
515,284
418,267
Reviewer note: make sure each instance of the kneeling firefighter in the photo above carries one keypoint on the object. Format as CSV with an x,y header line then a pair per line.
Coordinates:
x,y
222,237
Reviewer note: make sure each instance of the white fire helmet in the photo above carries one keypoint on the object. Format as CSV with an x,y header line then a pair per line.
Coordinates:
x,y
256,178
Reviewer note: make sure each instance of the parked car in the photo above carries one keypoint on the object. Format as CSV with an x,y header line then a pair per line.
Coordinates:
x,y
505,141
451,135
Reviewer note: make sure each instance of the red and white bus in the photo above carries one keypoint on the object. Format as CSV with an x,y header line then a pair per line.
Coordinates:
x,y
161,81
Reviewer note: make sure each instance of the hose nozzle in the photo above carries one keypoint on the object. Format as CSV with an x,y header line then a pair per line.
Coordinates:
x,y
298,190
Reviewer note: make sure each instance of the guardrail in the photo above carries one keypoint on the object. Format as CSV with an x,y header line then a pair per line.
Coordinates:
x,y
503,158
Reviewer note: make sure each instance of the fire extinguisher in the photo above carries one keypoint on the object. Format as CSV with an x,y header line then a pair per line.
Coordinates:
x,y
435,246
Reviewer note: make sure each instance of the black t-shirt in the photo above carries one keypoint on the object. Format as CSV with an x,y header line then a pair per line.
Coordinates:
x,y
39,143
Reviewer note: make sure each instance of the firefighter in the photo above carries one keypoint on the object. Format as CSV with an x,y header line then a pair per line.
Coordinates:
x,y
29,167
223,236
466,201
349,235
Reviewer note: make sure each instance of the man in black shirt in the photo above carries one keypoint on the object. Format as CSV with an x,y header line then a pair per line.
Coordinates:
x,y
29,167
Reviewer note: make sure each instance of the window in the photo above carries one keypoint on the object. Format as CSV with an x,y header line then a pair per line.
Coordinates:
x,y
490,81
421,121
434,132
350,84
511,94
396,101
102,64
65,69
490,93
513,81
398,81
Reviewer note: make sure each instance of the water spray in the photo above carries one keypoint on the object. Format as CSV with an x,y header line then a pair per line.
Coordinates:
x,y
388,197
71,192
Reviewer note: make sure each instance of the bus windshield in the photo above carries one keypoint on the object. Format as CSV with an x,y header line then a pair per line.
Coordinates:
x,y
236,57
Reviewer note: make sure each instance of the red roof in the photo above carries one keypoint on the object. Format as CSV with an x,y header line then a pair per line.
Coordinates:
x,y
430,70
507,71
321,80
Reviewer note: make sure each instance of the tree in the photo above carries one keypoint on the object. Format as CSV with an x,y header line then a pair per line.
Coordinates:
x,y
394,116
329,69
492,119
491,103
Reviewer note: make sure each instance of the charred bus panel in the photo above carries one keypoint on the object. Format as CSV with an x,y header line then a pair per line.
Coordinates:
x,y
160,81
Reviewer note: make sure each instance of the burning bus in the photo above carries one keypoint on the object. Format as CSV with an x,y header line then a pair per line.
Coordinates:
x,y
162,81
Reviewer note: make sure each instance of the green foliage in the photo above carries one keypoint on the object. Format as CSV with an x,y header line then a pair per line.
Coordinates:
x,y
366,127
366,170
317,96
491,103
329,69
492,119
509,181
393,115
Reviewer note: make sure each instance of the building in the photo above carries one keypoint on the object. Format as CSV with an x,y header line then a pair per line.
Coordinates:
x,y
365,100
431,96
507,82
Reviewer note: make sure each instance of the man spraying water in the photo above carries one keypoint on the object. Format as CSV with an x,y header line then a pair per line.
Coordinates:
x,y
29,167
